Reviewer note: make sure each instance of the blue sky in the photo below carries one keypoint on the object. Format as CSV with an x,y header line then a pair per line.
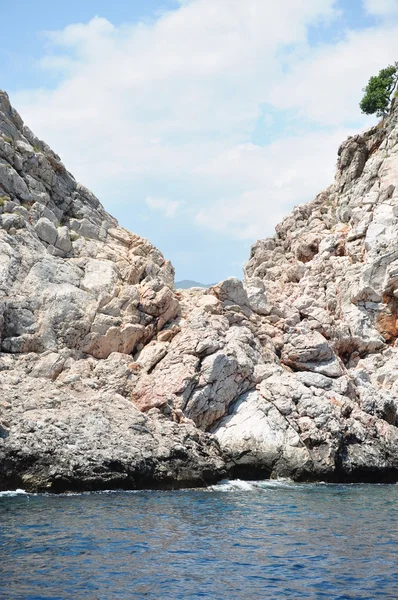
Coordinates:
x,y
198,123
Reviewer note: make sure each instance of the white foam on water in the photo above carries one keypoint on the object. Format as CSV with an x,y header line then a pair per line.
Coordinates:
x,y
233,485
239,485
13,493
277,483
97,493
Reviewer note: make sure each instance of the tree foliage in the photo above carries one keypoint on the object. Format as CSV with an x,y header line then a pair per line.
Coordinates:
x,y
378,91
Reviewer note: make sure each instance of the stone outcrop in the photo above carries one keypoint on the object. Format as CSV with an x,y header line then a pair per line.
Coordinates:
x,y
78,296
294,370
111,378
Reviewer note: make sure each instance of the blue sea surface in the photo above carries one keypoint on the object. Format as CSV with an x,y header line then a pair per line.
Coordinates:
x,y
237,540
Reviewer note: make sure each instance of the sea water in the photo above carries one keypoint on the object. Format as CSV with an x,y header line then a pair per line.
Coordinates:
x,y
236,540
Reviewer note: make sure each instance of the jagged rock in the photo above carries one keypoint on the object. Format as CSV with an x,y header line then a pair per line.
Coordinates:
x,y
46,230
66,299
353,154
347,324
309,351
63,240
109,377
77,293
48,366
72,436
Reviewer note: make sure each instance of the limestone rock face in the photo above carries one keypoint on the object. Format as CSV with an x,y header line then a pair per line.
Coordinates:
x,y
70,276
328,410
79,431
78,295
111,378
293,371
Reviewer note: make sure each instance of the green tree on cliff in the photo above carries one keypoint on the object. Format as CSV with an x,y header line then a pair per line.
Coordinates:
x,y
378,91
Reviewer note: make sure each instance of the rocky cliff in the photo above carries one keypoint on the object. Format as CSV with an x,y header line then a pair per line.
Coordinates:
x,y
111,378
78,296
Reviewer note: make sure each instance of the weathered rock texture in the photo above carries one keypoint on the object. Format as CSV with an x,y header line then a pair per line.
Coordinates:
x,y
78,296
295,370
110,378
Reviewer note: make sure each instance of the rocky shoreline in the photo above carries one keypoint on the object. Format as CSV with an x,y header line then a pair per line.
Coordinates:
x,y
111,378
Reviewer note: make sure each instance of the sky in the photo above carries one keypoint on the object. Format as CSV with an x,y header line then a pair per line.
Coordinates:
x,y
199,124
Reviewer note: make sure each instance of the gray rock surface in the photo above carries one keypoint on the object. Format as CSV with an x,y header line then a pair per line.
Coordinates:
x,y
78,296
78,431
294,371
328,410
111,378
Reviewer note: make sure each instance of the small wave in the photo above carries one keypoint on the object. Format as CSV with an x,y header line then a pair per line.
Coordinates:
x,y
13,493
239,485
233,485
279,483
99,493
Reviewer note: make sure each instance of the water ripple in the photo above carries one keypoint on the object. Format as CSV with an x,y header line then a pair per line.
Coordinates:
x,y
237,540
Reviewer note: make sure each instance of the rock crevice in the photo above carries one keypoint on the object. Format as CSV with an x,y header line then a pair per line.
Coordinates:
x,y
111,378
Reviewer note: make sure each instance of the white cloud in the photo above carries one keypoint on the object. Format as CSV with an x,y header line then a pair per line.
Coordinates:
x,y
381,7
167,207
177,99
194,80
325,86
287,172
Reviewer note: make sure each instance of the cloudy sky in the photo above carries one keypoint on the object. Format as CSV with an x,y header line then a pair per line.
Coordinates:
x,y
198,123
